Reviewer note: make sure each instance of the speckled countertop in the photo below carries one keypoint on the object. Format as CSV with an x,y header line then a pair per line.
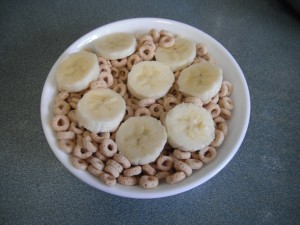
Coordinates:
x,y
261,185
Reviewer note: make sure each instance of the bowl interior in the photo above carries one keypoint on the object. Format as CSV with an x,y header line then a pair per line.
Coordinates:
x,y
237,125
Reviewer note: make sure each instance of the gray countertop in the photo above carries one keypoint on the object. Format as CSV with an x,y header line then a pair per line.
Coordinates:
x,y
261,185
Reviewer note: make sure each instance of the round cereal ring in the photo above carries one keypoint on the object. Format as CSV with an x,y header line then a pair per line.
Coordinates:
x,y
102,61
148,169
132,102
142,112
194,100
105,69
181,166
108,179
209,58
98,84
74,95
98,137
123,74
166,33
132,171
61,108
225,113
214,109
79,138
97,163
62,96
88,144
146,52
219,138
164,163
229,87
60,123
127,181
178,154
101,156
226,103
162,175
166,41
94,171
79,163
81,152
151,44
156,110
112,171
107,77
148,182
175,177
66,145
120,88
108,147
219,119
119,63
215,99
75,128
71,115
69,135
198,60
146,102
201,49
162,117
132,60
170,102
122,160
195,164
129,112
115,164
155,35
223,127
73,105
223,90
207,154
115,72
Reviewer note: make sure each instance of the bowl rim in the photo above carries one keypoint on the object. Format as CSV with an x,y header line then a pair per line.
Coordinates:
x,y
125,191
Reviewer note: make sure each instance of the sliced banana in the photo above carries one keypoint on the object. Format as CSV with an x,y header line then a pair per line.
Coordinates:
x,y
141,139
76,71
100,110
202,80
189,127
150,79
180,55
115,46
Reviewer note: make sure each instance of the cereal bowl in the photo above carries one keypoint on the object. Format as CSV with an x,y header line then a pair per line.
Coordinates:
x,y
237,125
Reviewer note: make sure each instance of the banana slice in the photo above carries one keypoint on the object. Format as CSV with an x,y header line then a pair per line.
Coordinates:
x,y
202,80
141,139
76,71
189,127
180,55
100,110
115,46
150,79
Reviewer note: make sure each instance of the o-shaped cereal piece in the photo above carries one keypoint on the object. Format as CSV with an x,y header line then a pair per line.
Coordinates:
x,y
79,163
207,154
120,88
127,181
194,100
214,109
155,35
81,152
147,168
146,52
105,68
115,72
164,163
181,154
181,166
69,135
201,50
112,171
122,160
150,44
165,33
156,110
66,145
209,58
94,171
123,74
226,103
119,63
102,61
88,144
107,77
97,163
142,112
108,179
148,182
101,156
195,164
225,113
132,60
75,128
219,119
60,123
166,41
146,102
129,112
215,99
219,138
61,107
145,37
97,84
62,96
162,174
175,177
115,164
132,171
170,102
71,115
108,147
98,137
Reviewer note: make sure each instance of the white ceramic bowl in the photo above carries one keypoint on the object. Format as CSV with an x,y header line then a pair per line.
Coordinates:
x,y
237,125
